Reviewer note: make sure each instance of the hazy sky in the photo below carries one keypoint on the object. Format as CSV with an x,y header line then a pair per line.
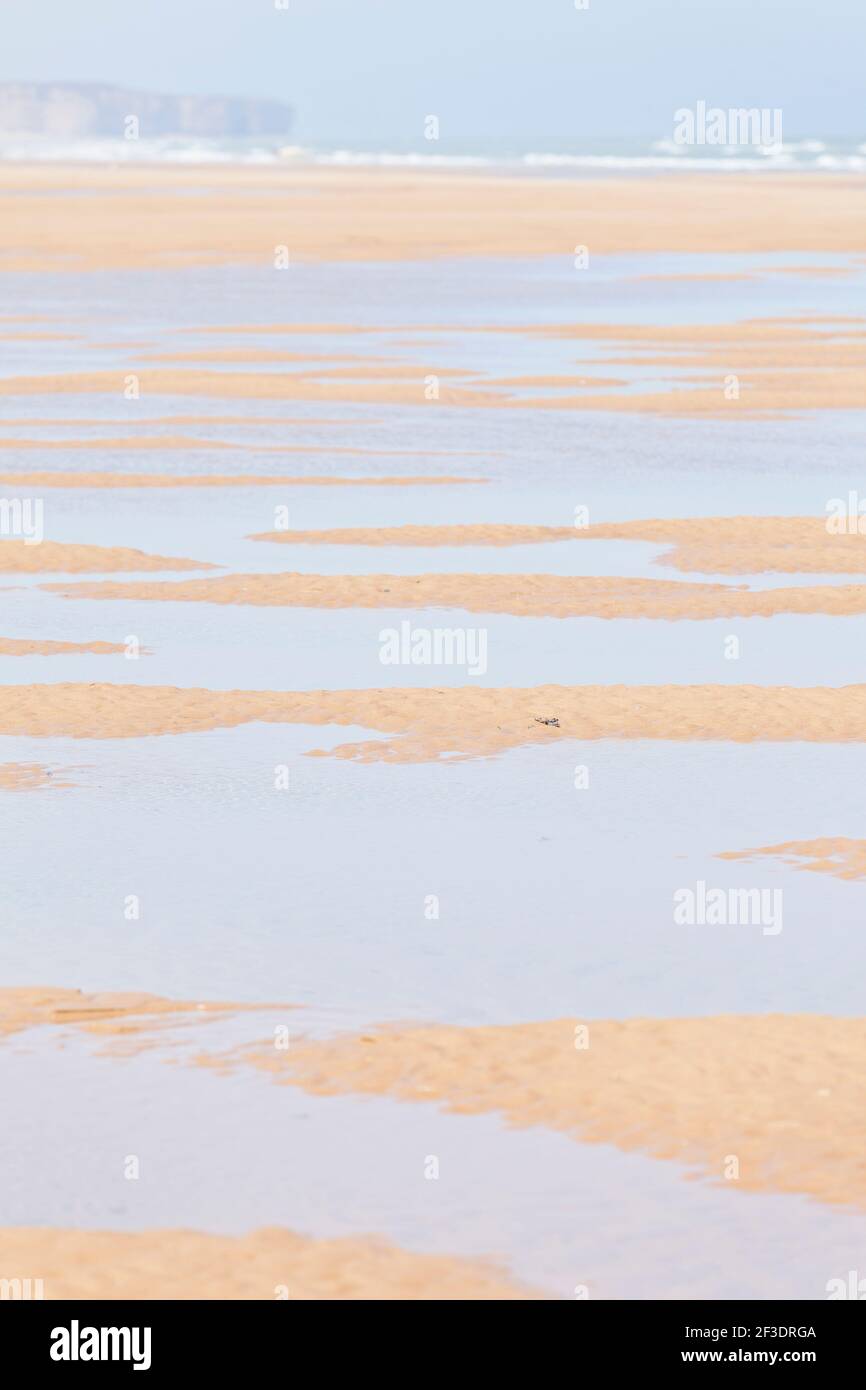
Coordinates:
x,y
371,70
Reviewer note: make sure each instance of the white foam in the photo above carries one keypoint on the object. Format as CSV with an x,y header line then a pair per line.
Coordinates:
x,y
656,155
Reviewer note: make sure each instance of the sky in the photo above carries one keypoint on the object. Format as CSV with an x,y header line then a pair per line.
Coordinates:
x,y
492,71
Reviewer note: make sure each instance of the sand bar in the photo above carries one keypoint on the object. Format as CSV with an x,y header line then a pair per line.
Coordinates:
x,y
272,386
153,442
27,777
746,544
472,721
522,595
144,217
265,1264
92,479
41,422
783,1094
767,392
711,545
834,854
61,557
470,533
728,371
108,1014
27,646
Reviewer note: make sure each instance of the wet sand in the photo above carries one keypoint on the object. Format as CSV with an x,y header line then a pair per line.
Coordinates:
x,y
46,557
266,1264
782,1094
779,1093
90,479
836,855
20,777
760,367
252,386
115,1014
710,545
152,421
155,443
425,724
143,217
524,595
772,393
150,443
25,646
477,533
747,544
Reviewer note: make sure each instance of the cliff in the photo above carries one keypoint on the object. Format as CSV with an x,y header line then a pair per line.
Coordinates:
x,y
73,109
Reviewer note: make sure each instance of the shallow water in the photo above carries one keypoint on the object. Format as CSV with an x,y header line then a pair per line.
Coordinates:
x,y
553,901
229,1154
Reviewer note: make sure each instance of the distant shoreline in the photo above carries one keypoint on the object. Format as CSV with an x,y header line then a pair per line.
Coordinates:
x,y
142,216
546,159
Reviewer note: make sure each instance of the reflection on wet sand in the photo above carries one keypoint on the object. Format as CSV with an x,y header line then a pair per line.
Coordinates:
x,y
770,1103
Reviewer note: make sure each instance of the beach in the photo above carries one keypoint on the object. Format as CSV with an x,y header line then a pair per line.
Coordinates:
x,y
432,732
